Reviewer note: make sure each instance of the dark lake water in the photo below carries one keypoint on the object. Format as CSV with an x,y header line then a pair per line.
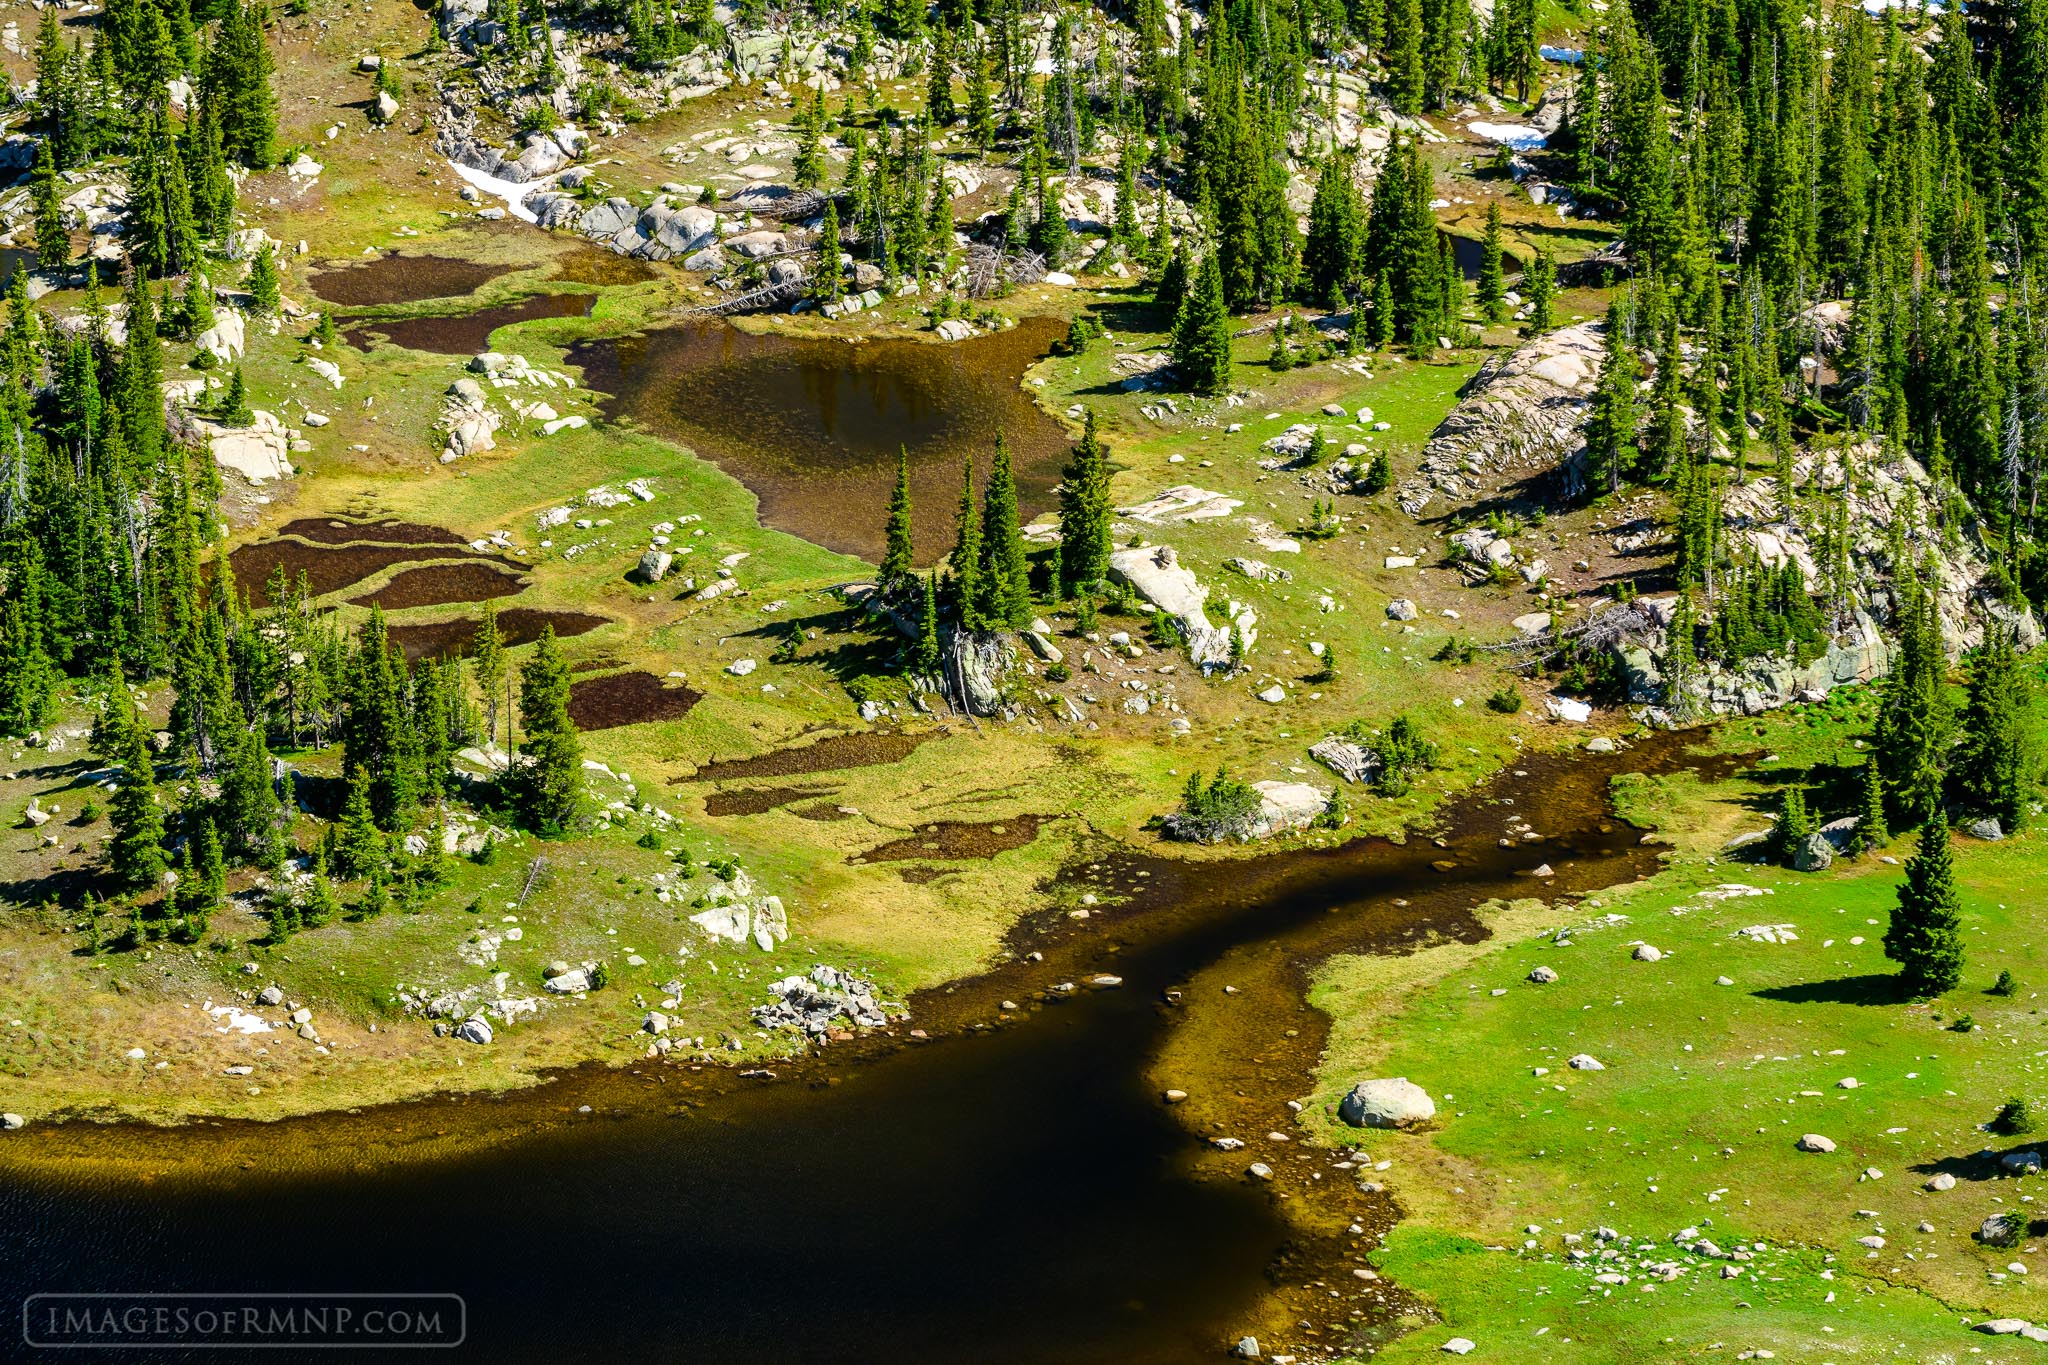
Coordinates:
x,y
813,425
464,333
1015,1194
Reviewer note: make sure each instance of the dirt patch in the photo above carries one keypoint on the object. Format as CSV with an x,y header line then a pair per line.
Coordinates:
x,y
335,531
403,279
463,580
758,800
464,333
839,751
627,699
951,839
519,626
824,813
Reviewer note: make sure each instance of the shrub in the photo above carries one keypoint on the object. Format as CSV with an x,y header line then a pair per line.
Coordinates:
x,y
649,840
2005,985
1222,808
2015,1118
1058,673
1507,700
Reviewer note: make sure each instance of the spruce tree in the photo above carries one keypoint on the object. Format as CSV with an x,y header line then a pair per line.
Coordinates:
x,y
1201,333
27,676
1085,513
359,846
924,659
1871,831
1005,579
136,852
1925,934
487,667
897,553
1995,767
255,821
266,292
550,785
53,238
1541,288
965,564
1492,285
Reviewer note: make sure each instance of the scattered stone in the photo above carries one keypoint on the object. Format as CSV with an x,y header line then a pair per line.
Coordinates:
x,y
1543,976
1645,953
1585,1062
1460,1346
1941,1180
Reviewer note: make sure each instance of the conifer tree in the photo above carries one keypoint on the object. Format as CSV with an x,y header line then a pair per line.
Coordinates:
x,y
1871,831
1541,288
1925,934
359,846
254,818
924,659
27,676
551,783
53,238
897,554
266,292
136,852
1793,824
1996,767
1005,578
1085,513
1401,55
487,667
1492,284
1201,332
965,564
1332,259
236,83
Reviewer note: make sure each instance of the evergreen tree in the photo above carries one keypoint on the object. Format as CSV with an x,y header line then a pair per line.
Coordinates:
x,y
1925,934
1995,767
1005,578
551,783
831,270
266,292
1332,260
1492,285
1541,288
53,238
487,667
1085,513
1401,56
924,659
965,564
255,820
235,82
27,676
1201,332
1870,831
1793,825
136,852
897,561
359,846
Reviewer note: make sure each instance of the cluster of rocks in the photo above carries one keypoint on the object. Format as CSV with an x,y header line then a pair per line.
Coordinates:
x,y
468,422
816,1004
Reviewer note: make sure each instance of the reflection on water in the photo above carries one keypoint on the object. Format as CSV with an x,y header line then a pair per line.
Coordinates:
x,y
813,426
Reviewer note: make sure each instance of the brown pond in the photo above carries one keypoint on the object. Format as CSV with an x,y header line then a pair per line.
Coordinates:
x,y
758,800
330,568
813,425
463,580
518,626
588,264
627,699
464,333
1014,1184
336,531
397,278
951,839
837,751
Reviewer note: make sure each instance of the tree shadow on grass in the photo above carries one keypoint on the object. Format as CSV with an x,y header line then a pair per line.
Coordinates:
x,y
1987,1164
1871,988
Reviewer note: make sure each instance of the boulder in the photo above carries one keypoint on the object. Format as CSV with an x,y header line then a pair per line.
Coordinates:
x,y
2002,1227
1585,1061
1646,953
258,452
1543,976
10,1122
1814,1142
476,1030
387,107
1988,828
1394,1102
1287,806
653,566
1401,609
225,339
1158,576
1814,853
572,982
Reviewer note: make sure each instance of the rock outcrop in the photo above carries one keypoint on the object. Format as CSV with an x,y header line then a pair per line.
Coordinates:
x,y
1157,575
1521,412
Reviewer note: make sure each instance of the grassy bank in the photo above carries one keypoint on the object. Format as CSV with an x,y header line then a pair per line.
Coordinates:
x,y
1717,1058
